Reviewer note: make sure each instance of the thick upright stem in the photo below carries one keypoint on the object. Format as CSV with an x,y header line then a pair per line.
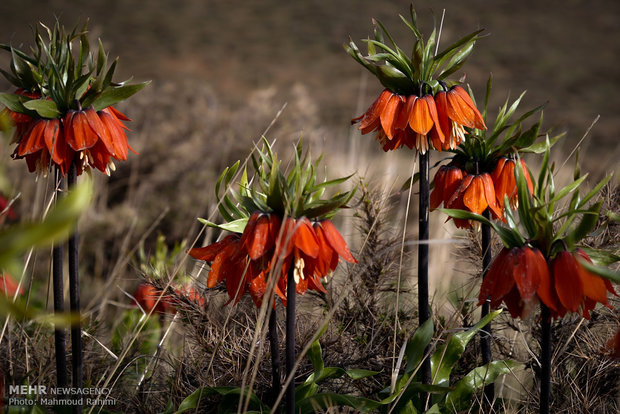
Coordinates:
x,y
545,358
423,235
275,354
485,334
74,299
59,301
290,339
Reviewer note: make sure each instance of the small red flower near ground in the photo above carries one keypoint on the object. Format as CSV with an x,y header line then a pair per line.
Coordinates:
x,y
9,286
6,210
146,296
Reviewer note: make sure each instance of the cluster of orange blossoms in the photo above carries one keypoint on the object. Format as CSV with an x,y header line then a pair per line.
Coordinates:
x,y
476,192
521,277
147,295
91,138
269,246
415,120
9,286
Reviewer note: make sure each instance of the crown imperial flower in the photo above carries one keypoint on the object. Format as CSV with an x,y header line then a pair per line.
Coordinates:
x,y
288,228
62,108
417,109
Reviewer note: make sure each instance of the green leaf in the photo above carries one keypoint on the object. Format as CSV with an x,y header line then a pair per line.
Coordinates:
x,y
540,147
113,95
586,225
446,357
525,203
235,226
604,272
324,401
461,397
57,225
528,137
601,257
360,373
414,351
45,108
230,399
316,358
568,189
594,191
22,68
509,237
13,102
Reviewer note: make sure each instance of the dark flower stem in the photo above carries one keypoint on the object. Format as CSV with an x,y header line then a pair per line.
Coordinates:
x,y
59,301
290,339
275,355
545,357
423,235
74,298
485,334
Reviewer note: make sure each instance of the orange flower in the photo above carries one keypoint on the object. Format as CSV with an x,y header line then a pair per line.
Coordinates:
x,y
456,110
6,210
269,246
9,286
475,194
576,288
414,120
519,277
505,182
146,296
447,180
96,136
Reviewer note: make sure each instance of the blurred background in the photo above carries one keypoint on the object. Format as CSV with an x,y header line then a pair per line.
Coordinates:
x,y
221,71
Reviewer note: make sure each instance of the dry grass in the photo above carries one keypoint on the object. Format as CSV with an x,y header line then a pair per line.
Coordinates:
x,y
211,98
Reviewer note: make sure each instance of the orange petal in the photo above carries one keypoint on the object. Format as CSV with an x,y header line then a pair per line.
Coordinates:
x,y
33,138
515,303
260,240
389,114
462,110
209,252
593,285
489,194
490,279
432,110
336,241
437,197
257,288
401,119
545,292
528,177
441,105
568,284
305,238
372,115
527,273
420,117
474,196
